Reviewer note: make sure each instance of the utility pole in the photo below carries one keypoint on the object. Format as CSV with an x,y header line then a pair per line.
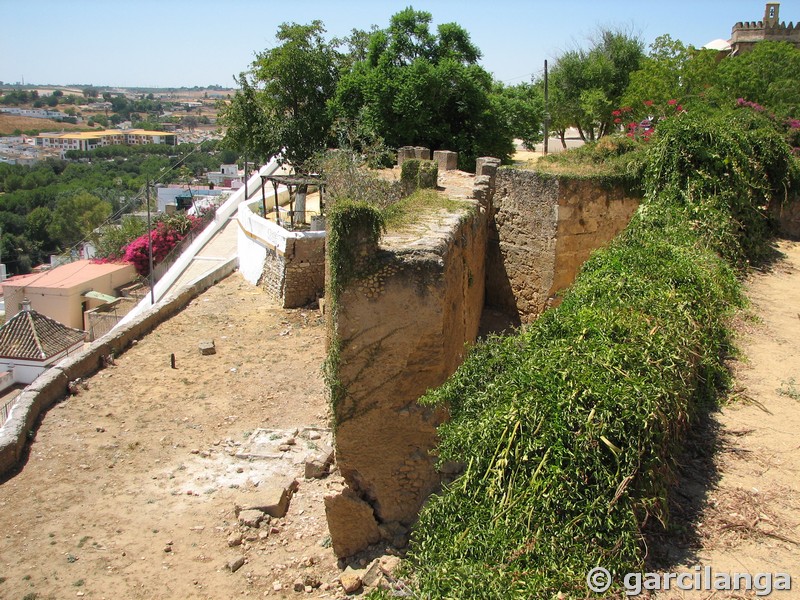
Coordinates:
x,y
150,245
546,113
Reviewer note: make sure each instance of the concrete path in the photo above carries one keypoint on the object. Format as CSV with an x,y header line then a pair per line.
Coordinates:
x,y
219,250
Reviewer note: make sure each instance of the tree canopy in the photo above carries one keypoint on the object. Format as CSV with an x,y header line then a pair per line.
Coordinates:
x,y
587,85
282,106
406,84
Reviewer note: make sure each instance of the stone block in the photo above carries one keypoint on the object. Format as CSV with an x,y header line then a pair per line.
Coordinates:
x,y
446,159
274,498
351,523
422,153
251,518
318,465
207,347
486,165
405,153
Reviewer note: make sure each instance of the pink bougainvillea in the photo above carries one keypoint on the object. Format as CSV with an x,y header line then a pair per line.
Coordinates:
x,y
166,234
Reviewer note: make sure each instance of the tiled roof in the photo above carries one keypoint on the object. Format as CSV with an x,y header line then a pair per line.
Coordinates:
x,y
32,336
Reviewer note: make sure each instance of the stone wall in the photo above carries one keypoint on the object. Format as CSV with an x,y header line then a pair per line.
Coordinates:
x,y
543,229
295,277
289,265
785,216
400,331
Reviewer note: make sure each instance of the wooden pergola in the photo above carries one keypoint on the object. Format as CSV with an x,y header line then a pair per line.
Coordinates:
x,y
292,183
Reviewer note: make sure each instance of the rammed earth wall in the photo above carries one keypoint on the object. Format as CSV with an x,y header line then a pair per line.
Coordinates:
x,y
402,328
405,326
543,229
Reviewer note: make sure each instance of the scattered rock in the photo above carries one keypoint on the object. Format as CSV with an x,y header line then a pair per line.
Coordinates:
x,y
373,574
235,564
235,539
251,517
207,347
299,586
275,497
350,580
277,586
389,564
318,466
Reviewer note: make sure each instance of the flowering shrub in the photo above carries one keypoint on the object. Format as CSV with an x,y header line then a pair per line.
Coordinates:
x,y
166,234
790,126
643,121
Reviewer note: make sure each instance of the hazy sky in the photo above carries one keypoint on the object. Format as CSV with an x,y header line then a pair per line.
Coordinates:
x,y
173,43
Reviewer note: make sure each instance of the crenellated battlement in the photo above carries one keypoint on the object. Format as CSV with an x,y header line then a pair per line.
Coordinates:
x,y
745,34
760,26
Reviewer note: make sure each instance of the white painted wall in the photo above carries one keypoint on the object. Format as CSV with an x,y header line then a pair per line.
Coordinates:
x,y
256,234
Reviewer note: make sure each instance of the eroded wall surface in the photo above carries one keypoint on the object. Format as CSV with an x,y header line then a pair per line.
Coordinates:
x,y
403,329
543,229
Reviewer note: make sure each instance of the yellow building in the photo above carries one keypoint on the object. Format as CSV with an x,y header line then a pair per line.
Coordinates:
x,y
89,140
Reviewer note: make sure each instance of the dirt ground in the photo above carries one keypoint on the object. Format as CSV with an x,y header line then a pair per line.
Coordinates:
x,y
130,487
737,507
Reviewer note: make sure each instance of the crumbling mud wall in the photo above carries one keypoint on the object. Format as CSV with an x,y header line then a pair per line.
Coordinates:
x,y
785,215
543,228
400,329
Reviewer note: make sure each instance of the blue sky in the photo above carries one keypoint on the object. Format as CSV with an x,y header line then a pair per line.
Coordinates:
x,y
161,43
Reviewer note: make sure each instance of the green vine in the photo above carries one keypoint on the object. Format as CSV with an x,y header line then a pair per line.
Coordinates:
x,y
354,229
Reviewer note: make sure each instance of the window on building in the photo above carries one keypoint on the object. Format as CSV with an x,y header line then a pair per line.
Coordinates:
x,y
771,12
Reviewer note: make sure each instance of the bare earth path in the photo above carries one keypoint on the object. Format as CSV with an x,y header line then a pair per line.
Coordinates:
x,y
745,501
130,486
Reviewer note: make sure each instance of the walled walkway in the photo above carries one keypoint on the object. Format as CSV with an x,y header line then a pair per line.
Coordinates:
x,y
219,250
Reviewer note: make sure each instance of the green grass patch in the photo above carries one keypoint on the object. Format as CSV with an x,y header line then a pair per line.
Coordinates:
x,y
612,160
417,207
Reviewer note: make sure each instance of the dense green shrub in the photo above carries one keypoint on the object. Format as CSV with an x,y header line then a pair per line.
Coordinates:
x,y
569,430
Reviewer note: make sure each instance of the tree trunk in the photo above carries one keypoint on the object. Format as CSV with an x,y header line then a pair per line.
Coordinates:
x,y
299,215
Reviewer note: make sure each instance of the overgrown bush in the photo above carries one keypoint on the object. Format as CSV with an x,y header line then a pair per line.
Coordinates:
x,y
166,234
569,430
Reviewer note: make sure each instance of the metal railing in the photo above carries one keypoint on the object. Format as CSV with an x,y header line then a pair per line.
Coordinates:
x,y
5,408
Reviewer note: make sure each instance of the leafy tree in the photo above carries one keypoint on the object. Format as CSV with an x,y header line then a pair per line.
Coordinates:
x,y
588,84
672,71
767,75
415,87
75,216
523,109
90,92
113,239
291,85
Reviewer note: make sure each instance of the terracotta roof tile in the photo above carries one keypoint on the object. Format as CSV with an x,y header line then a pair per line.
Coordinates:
x,y
32,336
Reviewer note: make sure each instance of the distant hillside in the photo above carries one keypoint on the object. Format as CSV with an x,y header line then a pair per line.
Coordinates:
x,y
10,123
